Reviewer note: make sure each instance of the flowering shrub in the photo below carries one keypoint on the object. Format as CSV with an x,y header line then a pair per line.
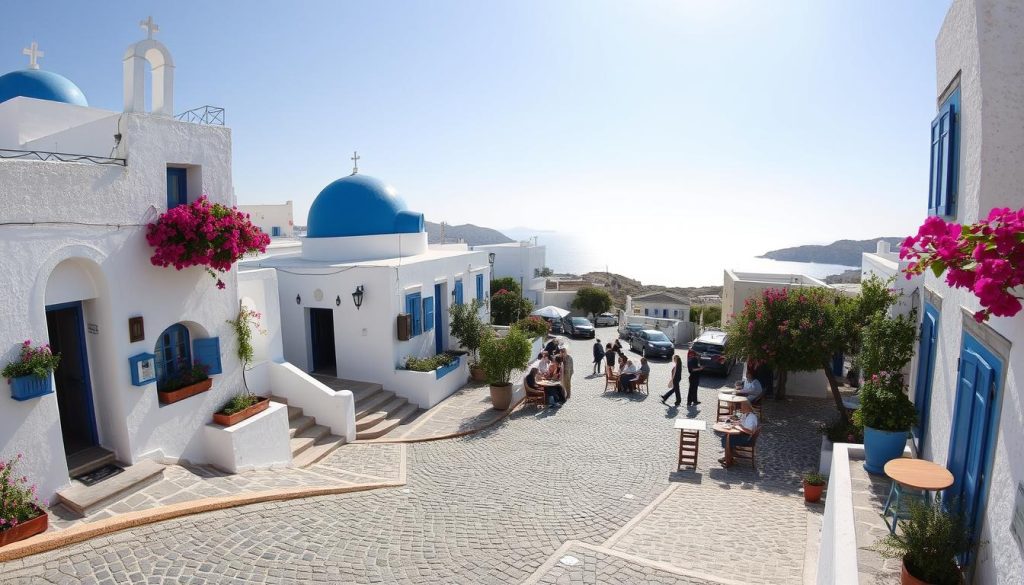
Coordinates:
x,y
18,501
986,258
533,326
33,361
244,323
884,404
508,306
204,234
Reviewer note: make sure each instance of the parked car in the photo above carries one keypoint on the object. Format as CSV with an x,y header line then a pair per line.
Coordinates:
x,y
577,327
652,343
606,319
629,330
710,348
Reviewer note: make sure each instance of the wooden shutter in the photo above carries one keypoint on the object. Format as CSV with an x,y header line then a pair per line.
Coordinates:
x,y
428,313
206,352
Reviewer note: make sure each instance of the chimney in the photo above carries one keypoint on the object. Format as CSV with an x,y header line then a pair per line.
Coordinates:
x,y
882,247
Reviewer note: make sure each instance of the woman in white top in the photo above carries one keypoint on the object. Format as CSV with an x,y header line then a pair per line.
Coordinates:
x,y
543,364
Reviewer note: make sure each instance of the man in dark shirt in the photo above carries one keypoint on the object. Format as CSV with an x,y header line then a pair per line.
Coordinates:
x,y
694,368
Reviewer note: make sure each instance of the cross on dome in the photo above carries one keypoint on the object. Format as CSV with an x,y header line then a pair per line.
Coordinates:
x,y
33,53
355,161
149,26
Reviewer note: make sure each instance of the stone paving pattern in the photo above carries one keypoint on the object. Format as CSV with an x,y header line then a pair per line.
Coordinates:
x,y
485,508
603,568
468,409
869,494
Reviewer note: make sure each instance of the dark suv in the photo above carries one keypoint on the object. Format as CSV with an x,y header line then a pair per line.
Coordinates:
x,y
709,348
652,343
577,327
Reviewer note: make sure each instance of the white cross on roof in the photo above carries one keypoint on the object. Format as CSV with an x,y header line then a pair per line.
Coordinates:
x,y
150,26
34,54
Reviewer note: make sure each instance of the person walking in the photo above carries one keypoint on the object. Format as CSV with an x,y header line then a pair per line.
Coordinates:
x,y
598,356
694,368
673,384
566,373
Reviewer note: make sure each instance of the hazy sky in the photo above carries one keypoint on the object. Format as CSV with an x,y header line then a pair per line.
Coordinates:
x,y
766,123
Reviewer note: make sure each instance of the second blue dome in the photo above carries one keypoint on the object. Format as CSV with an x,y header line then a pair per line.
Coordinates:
x,y
42,85
359,205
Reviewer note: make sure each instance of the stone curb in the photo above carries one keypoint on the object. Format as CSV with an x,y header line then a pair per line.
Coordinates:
x,y
48,541
400,440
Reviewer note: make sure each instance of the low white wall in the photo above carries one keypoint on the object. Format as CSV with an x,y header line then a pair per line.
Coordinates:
x,y
258,442
332,408
812,384
837,558
363,248
424,389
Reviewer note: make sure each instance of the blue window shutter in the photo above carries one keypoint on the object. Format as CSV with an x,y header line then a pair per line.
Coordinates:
x,y
206,352
177,191
647,312
935,169
458,292
480,287
412,306
945,158
428,313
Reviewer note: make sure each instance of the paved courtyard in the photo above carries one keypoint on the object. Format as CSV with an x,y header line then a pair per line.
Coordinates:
x,y
597,476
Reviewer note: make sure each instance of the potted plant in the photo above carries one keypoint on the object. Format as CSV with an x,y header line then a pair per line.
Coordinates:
x,y
30,375
20,513
928,543
245,404
886,415
814,483
467,327
189,382
501,357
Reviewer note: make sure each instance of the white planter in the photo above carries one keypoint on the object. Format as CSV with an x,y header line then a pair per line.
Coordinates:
x,y
425,389
258,442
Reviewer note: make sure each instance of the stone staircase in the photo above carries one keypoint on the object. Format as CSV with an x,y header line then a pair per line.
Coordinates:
x,y
309,441
84,500
379,411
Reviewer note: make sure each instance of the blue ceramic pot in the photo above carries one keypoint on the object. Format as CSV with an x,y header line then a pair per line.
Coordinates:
x,y
881,447
28,387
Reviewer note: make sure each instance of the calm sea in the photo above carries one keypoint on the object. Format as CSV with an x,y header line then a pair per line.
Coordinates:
x,y
643,257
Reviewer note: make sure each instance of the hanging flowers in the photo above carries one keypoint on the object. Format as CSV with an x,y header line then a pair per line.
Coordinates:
x,y
986,258
204,234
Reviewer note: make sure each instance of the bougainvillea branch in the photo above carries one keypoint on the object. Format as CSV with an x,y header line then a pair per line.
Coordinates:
x,y
204,234
986,258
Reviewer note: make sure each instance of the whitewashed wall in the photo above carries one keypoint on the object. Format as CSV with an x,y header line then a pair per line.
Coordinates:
x,y
269,216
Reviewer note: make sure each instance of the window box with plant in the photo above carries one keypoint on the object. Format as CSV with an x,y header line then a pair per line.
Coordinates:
x,y
244,404
441,364
501,358
29,376
185,384
929,542
21,516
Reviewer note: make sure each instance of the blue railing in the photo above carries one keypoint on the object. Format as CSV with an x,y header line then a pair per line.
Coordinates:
x,y
210,115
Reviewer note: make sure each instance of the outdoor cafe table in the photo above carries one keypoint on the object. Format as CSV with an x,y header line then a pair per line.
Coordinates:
x,y
729,430
729,402
915,474
689,440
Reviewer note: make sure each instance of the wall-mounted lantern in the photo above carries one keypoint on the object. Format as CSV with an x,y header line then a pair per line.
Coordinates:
x,y
298,299
337,301
490,258
357,297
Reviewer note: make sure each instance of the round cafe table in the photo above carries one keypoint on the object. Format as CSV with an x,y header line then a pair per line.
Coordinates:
x,y
916,474
729,430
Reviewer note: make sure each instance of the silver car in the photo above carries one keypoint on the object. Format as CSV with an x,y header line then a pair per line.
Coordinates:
x,y
606,319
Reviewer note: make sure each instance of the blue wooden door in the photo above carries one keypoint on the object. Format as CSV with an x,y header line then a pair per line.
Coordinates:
x,y
177,191
972,440
438,333
925,371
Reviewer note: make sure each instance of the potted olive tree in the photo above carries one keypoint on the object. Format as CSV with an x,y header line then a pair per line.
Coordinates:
x,y
469,329
928,543
501,358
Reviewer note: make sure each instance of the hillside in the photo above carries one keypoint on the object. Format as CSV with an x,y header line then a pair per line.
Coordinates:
x,y
473,235
845,252
619,286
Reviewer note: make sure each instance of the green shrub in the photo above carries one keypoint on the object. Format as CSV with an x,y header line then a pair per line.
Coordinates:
x,y
533,326
467,327
814,478
239,402
428,364
501,357
841,431
887,344
884,405
928,542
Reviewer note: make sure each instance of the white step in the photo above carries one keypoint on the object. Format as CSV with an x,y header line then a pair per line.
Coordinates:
x,y
83,499
317,451
307,438
373,402
371,418
299,424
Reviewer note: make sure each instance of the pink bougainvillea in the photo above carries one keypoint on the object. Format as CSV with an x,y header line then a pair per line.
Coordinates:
x,y
986,258
204,234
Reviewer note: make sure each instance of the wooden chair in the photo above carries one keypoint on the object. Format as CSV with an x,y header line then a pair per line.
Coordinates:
x,y
748,451
611,379
641,383
536,397
724,411
758,407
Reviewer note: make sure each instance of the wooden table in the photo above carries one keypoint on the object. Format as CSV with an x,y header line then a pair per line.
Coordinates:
x,y
728,403
729,430
915,474
689,440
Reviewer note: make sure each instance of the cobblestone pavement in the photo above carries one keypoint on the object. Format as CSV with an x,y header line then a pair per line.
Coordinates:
x,y
581,563
468,409
485,508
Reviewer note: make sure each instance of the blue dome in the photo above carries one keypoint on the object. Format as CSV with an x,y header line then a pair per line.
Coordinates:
x,y
360,206
43,85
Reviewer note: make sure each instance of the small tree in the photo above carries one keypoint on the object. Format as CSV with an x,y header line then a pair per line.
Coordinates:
x,y
543,272
501,357
591,299
506,283
712,314
467,327
508,306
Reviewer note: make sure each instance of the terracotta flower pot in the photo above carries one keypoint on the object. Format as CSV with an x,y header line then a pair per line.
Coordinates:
x,y
812,493
501,396
907,579
227,420
26,529
477,374
185,392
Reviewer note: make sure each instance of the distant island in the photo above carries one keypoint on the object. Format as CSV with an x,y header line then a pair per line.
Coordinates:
x,y
844,252
473,235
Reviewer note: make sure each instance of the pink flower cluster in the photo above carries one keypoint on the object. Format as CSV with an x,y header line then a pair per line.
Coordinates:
x,y
986,258
204,234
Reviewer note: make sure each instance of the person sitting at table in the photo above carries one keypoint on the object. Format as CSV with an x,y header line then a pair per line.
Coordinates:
x,y
543,363
629,373
747,425
552,392
555,369
622,361
749,386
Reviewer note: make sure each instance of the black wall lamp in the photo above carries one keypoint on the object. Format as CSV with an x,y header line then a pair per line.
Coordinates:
x,y
357,297
298,299
490,258
337,301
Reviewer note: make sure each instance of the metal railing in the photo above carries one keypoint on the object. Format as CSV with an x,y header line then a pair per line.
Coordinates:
x,y
210,115
60,157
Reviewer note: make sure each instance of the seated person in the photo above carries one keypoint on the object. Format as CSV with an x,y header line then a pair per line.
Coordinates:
x,y
555,369
629,373
543,363
747,424
553,392
645,370
551,347
750,388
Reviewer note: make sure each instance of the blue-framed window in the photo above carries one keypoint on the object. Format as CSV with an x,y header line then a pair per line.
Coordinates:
x,y
173,354
414,307
973,437
458,291
647,312
428,313
275,231
177,187
480,287
945,158
926,346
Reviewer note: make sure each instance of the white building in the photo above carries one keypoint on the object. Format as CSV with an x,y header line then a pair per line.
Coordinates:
x,y
886,265
967,381
661,304
274,220
365,292
740,286
522,261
